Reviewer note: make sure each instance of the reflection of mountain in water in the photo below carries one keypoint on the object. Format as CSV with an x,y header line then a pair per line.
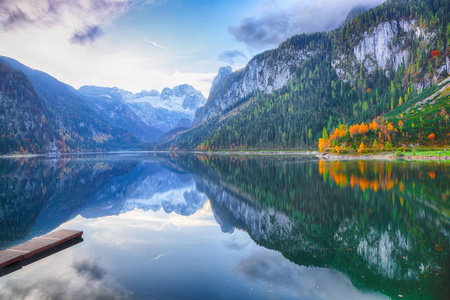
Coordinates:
x,y
384,224
39,195
148,187
338,216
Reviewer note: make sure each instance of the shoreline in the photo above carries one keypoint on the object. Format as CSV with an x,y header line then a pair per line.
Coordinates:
x,y
388,156
319,155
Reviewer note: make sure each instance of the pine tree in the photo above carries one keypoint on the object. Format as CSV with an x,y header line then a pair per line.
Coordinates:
x,y
325,134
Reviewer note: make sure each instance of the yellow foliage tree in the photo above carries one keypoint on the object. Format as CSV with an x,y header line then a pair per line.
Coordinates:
x,y
338,150
322,144
361,148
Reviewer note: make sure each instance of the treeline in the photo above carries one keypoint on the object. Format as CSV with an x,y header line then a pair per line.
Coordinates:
x,y
294,116
22,123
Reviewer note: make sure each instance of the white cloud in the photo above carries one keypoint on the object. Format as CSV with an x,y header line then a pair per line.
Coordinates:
x,y
102,64
155,44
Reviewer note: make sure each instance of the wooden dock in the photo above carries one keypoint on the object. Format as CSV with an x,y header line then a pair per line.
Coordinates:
x,y
38,246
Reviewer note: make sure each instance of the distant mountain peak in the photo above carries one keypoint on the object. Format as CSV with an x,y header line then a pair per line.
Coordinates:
x,y
223,72
356,10
166,110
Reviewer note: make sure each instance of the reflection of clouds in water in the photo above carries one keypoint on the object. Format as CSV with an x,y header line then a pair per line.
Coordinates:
x,y
318,283
125,231
84,279
89,268
234,244
157,257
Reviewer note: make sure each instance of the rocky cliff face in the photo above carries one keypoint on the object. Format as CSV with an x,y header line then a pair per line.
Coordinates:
x,y
223,72
384,46
265,73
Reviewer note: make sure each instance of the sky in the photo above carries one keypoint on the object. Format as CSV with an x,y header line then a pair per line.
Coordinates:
x,y
151,44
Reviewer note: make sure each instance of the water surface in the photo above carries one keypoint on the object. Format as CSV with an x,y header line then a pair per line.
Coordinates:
x,y
229,227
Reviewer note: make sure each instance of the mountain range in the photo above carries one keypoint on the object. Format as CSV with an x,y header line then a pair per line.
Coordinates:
x,y
39,114
282,99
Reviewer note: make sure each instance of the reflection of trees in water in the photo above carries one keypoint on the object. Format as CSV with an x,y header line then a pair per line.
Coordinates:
x,y
34,187
385,224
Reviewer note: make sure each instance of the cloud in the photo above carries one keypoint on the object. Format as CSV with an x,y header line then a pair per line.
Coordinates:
x,y
17,13
155,44
84,17
233,56
274,26
86,36
301,282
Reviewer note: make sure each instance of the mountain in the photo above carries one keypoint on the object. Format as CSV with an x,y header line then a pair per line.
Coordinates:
x,y
39,114
22,122
359,9
218,80
420,121
263,74
166,110
109,104
284,97
72,124
138,112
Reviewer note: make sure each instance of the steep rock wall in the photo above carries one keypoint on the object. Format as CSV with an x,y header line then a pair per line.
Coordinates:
x,y
265,73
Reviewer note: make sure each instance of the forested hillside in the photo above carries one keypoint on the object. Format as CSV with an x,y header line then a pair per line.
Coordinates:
x,y
41,114
423,120
379,60
22,122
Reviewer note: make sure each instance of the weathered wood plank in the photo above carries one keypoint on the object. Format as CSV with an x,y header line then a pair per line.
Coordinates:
x,y
36,245
8,257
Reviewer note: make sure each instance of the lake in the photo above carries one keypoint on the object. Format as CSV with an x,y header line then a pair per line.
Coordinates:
x,y
228,227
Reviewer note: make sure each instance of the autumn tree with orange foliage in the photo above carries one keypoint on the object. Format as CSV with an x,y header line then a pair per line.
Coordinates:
x,y
363,128
390,127
338,133
374,125
354,129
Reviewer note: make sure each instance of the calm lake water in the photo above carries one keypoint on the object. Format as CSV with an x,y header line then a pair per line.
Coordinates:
x,y
229,227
